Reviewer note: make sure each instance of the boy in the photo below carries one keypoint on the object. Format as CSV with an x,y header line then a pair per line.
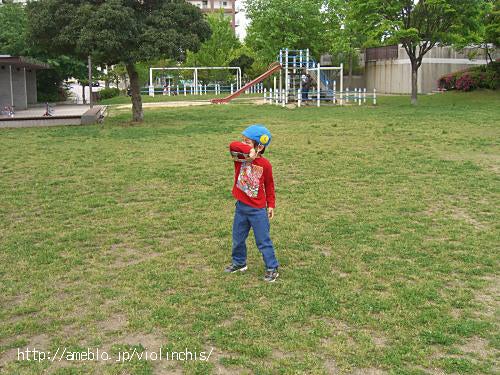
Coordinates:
x,y
253,190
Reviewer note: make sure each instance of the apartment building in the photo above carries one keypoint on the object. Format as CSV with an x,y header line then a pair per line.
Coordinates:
x,y
210,6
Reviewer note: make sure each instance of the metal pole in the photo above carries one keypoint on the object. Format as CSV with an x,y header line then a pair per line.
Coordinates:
x,y
281,82
90,83
196,81
286,76
318,85
341,84
334,91
299,99
374,96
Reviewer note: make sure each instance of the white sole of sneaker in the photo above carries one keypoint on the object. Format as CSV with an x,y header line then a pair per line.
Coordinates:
x,y
240,269
272,281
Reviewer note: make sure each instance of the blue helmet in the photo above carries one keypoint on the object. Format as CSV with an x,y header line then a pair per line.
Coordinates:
x,y
258,133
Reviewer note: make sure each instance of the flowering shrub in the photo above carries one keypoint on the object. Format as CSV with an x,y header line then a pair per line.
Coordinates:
x,y
466,82
447,82
484,76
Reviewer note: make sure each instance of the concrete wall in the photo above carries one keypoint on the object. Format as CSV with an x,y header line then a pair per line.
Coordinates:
x,y
393,76
31,86
19,88
356,82
24,89
4,86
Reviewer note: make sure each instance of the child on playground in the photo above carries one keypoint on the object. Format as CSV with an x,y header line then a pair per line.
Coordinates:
x,y
253,190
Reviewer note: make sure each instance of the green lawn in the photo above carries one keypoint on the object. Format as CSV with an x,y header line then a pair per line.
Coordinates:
x,y
387,227
165,98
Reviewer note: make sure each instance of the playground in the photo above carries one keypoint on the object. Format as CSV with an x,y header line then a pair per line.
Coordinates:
x,y
386,226
283,83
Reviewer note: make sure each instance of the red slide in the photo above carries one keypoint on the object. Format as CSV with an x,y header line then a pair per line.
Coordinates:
x,y
274,67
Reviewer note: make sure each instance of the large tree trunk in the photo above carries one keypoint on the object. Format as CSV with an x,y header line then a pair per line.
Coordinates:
x,y
83,94
414,82
135,91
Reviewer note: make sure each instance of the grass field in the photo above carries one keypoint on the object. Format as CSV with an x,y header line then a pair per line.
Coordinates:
x,y
386,227
173,98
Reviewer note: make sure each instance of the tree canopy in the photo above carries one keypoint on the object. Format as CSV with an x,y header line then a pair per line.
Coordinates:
x,y
219,49
419,25
294,24
119,31
13,39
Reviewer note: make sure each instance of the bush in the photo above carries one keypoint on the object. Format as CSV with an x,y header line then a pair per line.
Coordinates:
x,y
466,82
484,76
108,93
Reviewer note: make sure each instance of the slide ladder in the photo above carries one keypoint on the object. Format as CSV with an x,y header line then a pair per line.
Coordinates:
x,y
273,68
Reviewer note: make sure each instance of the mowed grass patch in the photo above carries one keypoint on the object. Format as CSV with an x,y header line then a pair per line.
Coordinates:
x,y
386,229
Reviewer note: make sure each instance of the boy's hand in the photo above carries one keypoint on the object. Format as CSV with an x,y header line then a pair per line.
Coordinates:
x,y
270,212
253,154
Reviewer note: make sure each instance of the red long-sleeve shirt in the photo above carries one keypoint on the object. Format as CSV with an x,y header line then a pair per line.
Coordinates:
x,y
253,181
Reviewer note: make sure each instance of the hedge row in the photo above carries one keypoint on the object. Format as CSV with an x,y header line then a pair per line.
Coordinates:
x,y
484,76
108,93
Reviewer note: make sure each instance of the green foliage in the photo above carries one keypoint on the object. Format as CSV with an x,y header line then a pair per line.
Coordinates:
x,y
50,86
420,25
219,48
346,34
492,23
109,93
294,24
485,76
119,31
13,30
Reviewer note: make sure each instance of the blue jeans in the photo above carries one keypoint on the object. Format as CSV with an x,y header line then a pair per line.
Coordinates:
x,y
246,217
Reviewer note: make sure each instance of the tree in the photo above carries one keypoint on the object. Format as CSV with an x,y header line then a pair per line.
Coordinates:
x,y
217,50
419,25
346,33
14,40
13,30
294,24
490,32
119,31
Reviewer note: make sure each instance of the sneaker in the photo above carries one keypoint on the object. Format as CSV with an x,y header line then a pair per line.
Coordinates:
x,y
234,267
271,275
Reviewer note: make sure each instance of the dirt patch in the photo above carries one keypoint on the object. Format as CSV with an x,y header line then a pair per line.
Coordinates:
x,y
39,342
489,297
123,256
462,215
322,249
116,322
379,340
183,103
215,358
149,341
368,371
477,346
331,367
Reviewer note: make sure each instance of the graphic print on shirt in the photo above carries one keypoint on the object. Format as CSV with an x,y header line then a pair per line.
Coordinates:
x,y
248,179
